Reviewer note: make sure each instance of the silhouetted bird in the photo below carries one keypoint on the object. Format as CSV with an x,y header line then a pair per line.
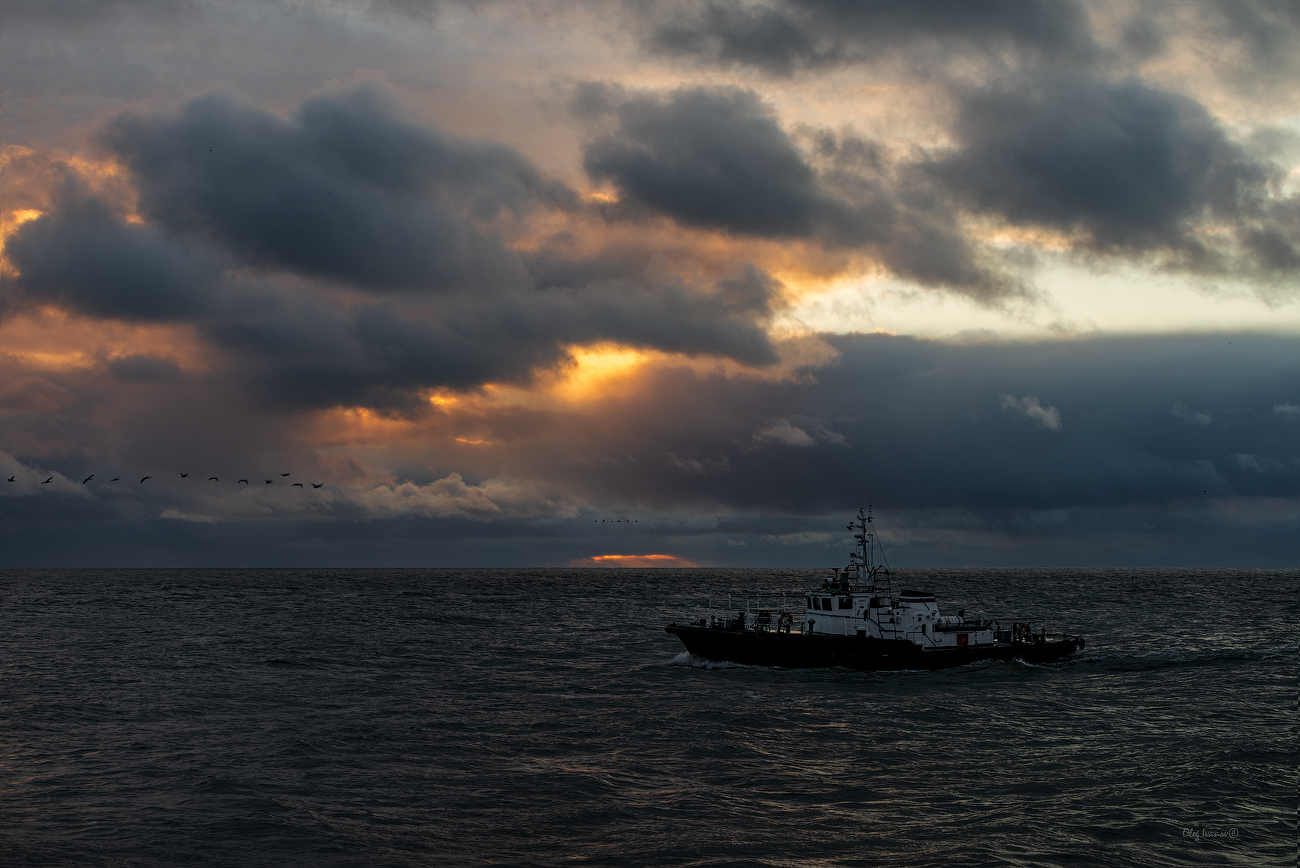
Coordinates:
x,y
313,485
116,479
183,475
48,481
143,478
284,474
11,479
87,479
297,485
213,479
245,481
269,481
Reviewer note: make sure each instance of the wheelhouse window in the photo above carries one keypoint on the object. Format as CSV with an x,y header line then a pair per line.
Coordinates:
x,y
846,603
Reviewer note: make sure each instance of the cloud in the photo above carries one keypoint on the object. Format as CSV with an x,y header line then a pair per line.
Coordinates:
x,y
29,480
345,190
783,432
87,258
1121,167
450,497
31,394
1028,406
698,466
716,158
382,355
1190,416
709,158
678,437
783,36
1124,462
1287,411
802,538
350,257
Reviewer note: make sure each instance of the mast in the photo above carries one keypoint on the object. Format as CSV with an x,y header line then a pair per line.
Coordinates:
x,y
872,575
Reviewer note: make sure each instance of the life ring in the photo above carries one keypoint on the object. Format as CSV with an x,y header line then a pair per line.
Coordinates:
x,y
786,621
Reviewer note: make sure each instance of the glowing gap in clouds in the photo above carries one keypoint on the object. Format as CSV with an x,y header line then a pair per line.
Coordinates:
x,y
632,561
473,442
594,366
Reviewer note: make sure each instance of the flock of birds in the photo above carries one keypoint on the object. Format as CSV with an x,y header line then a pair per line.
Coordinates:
x,y
143,479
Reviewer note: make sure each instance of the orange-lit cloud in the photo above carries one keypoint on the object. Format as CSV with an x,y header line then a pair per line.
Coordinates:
x,y
632,561
49,338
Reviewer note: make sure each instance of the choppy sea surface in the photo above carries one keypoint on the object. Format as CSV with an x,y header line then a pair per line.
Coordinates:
x,y
543,717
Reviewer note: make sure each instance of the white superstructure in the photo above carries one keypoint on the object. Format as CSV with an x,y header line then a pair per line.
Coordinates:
x,y
858,601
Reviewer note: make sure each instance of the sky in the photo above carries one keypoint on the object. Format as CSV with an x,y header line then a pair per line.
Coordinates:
x,y
394,283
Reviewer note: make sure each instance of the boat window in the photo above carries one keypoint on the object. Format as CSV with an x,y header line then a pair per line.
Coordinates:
x,y
809,599
846,603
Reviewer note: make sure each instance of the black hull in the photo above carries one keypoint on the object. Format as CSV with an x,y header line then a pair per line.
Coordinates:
x,y
797,651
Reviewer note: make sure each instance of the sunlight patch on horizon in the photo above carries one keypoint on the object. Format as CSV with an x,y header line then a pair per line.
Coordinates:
x,y
639,561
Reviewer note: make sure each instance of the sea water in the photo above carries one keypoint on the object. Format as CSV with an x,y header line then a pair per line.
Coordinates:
x,y
543,717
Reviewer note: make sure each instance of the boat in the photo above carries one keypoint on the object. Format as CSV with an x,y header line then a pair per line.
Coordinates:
x,y
855,620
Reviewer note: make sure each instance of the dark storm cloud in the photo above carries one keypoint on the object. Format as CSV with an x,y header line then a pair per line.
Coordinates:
x,y
1123,163
717,159
709,158
89,259
924,425
345,190
787,35
380,356
233,198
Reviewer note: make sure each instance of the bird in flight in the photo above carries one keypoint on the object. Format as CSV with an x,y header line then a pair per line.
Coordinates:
x,y
269,481
284,474
245,481
297,485
116,479
213,479
87,479
313,485
183,475
11,479
143,478
48,481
